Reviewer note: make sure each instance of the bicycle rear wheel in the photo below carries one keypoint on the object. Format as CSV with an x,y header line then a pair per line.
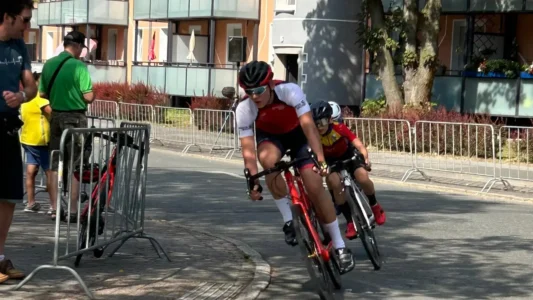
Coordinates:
x,y
316,267
364,230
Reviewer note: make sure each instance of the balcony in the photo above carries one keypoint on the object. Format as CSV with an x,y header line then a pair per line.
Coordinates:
x,y
185,79
185,9
72,12
111,71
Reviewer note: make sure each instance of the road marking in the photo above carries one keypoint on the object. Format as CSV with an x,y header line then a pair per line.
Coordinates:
x,y
224,173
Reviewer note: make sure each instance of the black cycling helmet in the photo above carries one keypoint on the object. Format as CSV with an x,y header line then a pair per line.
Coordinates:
x,y
255,74
321,110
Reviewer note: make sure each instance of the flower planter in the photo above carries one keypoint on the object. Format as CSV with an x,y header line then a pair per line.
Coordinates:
x,y
486,75
526,75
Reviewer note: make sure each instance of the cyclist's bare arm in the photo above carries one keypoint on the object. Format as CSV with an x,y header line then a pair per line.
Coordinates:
x,y
359,146
248,153
311,133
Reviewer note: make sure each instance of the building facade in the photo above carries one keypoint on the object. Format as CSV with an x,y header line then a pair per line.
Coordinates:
x,y
310,42
313,42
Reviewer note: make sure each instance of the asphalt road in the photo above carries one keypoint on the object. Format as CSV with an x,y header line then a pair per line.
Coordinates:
x,y
435,245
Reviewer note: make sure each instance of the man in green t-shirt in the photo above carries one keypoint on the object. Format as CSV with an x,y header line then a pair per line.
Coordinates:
x,y
69,94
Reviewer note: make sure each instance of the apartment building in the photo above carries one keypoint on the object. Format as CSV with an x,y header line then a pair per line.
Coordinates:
x,y
104,22
169,24
500,29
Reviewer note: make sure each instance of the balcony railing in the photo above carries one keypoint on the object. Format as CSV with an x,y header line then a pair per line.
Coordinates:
x,y
107,71
184,79
179,9
462,6
495,96
71,12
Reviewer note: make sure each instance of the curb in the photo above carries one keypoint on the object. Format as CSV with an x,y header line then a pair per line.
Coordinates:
x,y
453,190
262,271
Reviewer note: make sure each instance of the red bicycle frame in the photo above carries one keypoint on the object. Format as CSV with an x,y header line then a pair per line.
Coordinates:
x,y
110,171
301,199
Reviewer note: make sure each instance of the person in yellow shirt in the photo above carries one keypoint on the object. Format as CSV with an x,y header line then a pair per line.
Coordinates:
x,y
34,137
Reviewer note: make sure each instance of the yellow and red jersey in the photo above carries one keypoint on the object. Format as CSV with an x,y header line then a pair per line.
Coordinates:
x,y
337,141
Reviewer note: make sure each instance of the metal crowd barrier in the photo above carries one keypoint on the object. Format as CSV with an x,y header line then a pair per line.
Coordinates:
x,y
95,227
215,129
498,154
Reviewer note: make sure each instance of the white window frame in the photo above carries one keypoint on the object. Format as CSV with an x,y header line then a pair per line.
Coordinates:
x,y
163,44
139,45
229,29
286,6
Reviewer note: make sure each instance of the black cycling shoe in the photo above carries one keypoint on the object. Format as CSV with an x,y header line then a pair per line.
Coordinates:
x,y
346,260
290,234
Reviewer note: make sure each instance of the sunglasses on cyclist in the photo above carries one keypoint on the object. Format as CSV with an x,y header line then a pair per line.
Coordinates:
x,y
26,20
256,91
322,122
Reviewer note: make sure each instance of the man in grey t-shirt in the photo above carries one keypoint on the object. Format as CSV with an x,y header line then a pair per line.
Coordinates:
x,y
15,17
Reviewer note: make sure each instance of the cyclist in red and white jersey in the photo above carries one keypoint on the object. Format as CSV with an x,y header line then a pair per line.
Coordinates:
x,y
283,121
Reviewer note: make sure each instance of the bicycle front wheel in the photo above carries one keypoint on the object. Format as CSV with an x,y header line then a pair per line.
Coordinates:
x,y
314,263
364,229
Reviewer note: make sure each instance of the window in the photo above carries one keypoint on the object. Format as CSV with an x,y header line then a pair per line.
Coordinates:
x,y
196,28
232,30
285,6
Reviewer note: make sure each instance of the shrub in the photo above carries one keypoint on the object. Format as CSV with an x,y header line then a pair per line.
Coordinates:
x,y
210,102
138,93
445,133
374,107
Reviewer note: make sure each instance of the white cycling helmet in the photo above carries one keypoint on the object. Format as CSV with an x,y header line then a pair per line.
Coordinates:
x,y
336,115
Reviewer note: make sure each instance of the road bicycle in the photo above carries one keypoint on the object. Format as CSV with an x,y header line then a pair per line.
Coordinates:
x,y
362,215
315,246
104,182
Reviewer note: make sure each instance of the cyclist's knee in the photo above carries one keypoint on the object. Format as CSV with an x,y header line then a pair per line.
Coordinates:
x,y
333,181
268,155
313,182
361,175
276,185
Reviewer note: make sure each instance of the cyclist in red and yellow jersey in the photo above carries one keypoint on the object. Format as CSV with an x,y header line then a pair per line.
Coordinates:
x,y
339,143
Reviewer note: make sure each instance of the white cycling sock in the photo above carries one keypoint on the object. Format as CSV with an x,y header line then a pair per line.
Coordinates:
x,y
2,257
284,206
335,234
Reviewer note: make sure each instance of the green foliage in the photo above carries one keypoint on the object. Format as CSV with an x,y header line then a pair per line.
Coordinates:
x,y
374,107
177,118
510,68
374,39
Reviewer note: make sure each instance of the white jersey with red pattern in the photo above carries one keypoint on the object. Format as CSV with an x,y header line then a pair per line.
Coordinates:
x,y
279,117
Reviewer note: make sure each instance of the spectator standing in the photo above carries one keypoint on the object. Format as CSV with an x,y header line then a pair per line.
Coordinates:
x,y
66,82
34,137
15,68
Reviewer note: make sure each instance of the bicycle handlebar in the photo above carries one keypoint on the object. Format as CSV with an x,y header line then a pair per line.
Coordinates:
x,y
125,139
278,167
356,157
342,163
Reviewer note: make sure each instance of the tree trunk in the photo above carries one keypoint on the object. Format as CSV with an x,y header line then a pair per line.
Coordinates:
x,y
422,83
384,59
410,55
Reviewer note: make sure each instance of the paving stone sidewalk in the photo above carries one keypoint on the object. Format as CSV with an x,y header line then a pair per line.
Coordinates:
x,y
202,267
